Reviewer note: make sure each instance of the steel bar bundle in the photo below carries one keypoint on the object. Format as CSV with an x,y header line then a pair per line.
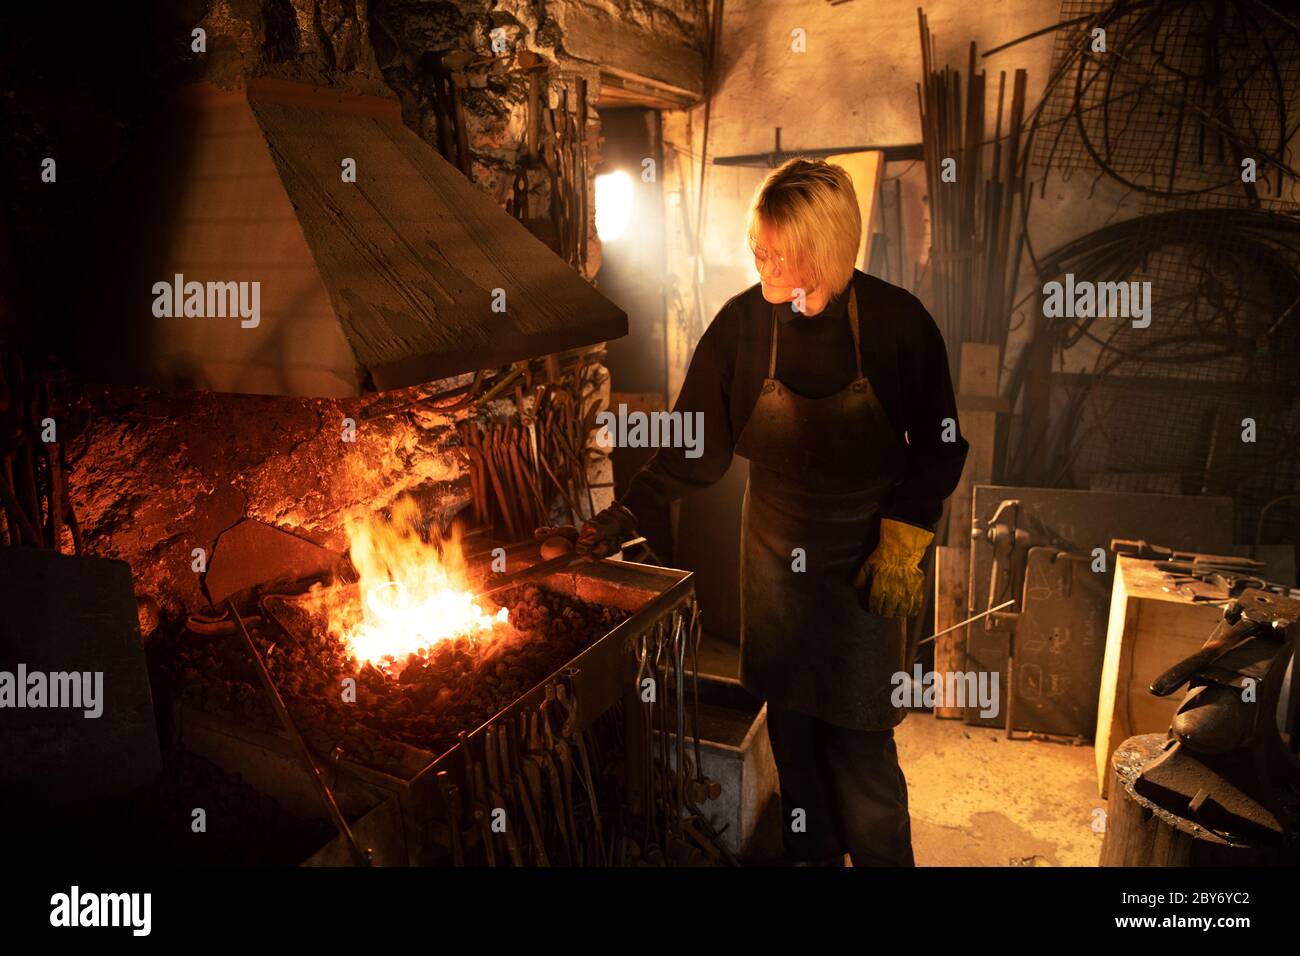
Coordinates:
x,y
974,220
523,462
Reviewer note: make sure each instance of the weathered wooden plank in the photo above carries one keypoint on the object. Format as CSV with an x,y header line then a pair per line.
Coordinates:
x,y
980,368
951,573
623,49
381,283
413,254
866,170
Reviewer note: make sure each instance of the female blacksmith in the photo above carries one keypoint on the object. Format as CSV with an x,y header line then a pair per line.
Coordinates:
x,y
835,386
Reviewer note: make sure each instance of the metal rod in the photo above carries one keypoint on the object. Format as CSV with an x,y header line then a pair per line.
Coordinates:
x,y
558,563
773,158
359,856
969,620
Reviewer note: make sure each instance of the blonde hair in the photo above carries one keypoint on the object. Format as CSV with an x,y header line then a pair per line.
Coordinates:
x,y
812,206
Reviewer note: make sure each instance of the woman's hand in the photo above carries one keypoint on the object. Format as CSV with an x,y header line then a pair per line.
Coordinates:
x,y
897,581
556,540
605,533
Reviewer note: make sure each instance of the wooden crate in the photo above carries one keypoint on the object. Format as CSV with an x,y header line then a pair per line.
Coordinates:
x,y
1149,631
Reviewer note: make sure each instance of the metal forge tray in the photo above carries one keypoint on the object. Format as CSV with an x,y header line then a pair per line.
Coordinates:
x,y
599,676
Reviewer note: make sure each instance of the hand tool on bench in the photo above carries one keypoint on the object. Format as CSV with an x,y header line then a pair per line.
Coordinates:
x,y
1230,582
1147,551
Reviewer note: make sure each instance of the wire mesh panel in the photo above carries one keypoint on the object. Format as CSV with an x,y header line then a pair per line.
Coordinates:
x,y
1192,105
1170,96
1204,398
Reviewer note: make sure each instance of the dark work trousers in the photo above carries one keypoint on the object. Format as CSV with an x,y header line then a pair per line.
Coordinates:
x,y
850,787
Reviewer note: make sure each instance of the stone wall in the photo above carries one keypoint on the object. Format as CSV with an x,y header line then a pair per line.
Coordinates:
x,y
155,476
395,47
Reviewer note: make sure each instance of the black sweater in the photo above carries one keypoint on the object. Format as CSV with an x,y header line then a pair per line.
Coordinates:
x,y
903,356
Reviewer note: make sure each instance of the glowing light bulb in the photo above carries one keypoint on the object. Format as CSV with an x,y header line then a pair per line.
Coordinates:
x,y
613,205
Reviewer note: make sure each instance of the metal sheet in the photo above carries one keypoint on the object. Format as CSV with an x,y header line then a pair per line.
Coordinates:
x,y
736,752
69,629
1059,644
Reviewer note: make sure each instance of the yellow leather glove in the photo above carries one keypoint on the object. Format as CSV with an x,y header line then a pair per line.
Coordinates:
x,y
894,568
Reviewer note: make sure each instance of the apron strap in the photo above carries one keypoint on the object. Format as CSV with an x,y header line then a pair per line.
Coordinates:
x,y
853,324
771,352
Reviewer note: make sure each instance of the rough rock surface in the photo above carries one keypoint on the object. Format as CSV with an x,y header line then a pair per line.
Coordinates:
x,y
155,476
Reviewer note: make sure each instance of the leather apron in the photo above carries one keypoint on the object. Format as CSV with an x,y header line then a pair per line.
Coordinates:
x,y
819,468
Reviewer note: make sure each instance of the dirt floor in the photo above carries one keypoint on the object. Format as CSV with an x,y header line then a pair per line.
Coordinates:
x,y
978,799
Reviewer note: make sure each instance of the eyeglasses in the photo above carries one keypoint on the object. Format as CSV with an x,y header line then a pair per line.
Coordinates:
x,y
766,260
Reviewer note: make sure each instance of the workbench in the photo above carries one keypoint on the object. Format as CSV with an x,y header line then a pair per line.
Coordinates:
x,y
1149,630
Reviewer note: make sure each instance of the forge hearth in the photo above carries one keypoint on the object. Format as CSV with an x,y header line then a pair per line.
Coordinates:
x,y
392,762
425,701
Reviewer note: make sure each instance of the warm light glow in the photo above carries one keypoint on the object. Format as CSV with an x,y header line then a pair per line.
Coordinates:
x,y
613,205
414,594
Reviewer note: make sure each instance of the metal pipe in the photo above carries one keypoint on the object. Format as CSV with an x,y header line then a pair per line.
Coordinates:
x,y
359,857
897,153
969,620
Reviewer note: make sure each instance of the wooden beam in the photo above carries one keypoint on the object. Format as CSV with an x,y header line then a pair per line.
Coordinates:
x,y
978,402
866,169
980,367
623,50
618,91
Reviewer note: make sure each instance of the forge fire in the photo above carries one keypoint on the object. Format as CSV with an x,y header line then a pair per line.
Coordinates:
x,y
624,435
409,597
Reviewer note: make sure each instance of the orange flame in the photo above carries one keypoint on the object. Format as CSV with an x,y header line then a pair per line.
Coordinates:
x,y
414,593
